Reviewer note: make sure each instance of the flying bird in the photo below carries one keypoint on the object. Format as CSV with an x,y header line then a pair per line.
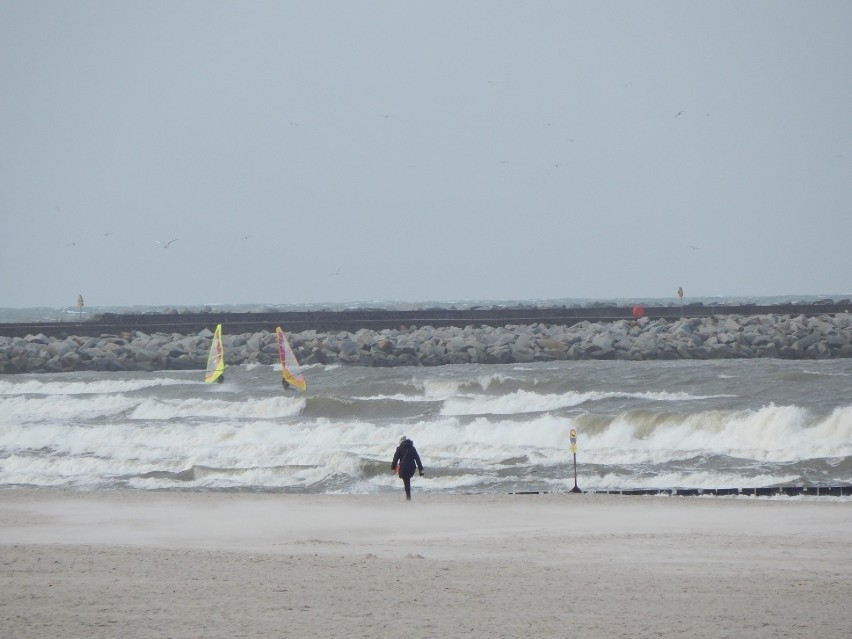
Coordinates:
x,y
169,243
678,113
337,272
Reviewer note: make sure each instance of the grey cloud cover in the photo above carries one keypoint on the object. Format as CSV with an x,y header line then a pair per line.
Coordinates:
x,y
308,152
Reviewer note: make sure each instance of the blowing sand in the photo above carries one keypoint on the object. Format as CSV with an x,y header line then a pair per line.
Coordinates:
x,y
140,564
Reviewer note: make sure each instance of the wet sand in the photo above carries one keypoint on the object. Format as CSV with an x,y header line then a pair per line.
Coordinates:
x,y
142,564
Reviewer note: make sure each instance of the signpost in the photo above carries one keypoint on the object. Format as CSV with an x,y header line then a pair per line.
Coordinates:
x,y
573,436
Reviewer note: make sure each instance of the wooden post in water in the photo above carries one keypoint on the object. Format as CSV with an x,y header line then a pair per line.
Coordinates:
x,y
574,453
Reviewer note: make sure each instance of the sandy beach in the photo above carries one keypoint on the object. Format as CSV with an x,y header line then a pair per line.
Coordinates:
x,y
142,564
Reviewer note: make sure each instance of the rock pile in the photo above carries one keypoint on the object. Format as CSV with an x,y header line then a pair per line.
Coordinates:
x,y
728,336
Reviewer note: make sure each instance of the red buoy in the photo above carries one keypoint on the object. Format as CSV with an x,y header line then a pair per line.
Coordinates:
x,y
638,311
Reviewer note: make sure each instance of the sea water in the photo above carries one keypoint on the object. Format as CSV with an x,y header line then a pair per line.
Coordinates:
x,y
478,428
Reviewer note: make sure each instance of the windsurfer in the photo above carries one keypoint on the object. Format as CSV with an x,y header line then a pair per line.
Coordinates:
x,y
405,460
291,373
216,359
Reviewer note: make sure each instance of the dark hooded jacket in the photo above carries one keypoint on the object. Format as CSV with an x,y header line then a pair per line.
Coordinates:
x,y
407,458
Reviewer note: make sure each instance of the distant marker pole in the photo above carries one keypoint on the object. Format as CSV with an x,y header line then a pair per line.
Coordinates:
x,y
79,308
680,295
573,436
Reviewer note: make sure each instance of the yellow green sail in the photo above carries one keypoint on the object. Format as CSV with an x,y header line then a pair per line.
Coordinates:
x,y
216,358
291,372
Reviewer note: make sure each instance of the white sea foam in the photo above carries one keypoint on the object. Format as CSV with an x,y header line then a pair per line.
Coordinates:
x,y
522,401
58,386
27,409
772,433
829,373
397,397
438,389
485,381
649,429
274,407
330,447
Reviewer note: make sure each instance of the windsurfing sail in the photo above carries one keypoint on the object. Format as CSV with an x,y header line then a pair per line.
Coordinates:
x,y
290,369
216,358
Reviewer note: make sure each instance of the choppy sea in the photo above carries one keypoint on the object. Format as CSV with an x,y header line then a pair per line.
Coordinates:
x,y
478,428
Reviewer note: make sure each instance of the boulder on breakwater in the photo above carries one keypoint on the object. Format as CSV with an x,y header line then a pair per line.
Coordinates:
x,y
718,337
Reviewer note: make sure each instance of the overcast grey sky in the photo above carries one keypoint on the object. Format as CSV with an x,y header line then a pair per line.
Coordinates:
x,y
338,151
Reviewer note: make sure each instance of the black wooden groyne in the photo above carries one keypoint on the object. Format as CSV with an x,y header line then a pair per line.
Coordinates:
x,y
378,319
767,491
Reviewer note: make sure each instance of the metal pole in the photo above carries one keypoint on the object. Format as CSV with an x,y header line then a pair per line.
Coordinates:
x,y
575,489
573,437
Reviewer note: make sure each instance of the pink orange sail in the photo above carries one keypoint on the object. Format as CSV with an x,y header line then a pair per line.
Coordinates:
x,y
290,369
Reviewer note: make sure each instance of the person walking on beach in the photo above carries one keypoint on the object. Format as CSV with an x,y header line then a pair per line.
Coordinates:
x,y
405,460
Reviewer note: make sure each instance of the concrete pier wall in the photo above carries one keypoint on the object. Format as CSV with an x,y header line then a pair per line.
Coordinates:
x,y
380,319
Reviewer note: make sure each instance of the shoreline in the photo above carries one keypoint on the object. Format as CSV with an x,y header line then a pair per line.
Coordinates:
x,y
224,565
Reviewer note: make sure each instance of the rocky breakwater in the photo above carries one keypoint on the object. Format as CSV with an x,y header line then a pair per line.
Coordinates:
x,y
732,336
